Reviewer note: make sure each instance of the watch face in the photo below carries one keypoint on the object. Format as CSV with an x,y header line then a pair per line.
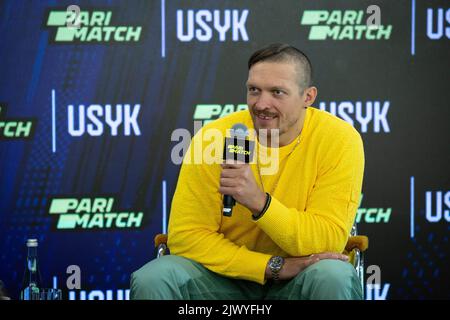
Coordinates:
x,y
276,262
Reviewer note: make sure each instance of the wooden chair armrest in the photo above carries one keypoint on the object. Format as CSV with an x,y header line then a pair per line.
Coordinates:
x,y
160,239
360,242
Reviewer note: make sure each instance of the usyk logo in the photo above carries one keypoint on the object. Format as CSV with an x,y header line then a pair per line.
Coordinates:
x,y
88,26
117,294
15,128
202,25
364,116
437,206
434,204
96,120
343,25
92,213
436,27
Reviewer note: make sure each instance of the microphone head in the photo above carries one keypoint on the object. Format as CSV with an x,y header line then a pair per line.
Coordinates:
x,y
239,130
238,146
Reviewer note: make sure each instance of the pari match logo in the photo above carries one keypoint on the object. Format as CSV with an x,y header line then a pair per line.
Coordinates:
x,y
89,25
346,24
92,213
372,215
209,112
15,128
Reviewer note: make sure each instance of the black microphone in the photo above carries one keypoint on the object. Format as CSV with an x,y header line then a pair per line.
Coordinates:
x,y
237,147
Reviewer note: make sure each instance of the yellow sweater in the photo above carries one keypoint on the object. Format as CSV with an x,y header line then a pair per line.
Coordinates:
x,y
312,210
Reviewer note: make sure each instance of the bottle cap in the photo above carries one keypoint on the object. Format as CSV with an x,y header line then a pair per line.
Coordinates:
x,y
32,243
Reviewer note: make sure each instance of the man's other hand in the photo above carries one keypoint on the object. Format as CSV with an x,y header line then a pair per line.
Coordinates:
x,y
294,265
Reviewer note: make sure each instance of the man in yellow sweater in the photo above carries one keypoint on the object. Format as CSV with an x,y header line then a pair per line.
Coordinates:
x,y
285,236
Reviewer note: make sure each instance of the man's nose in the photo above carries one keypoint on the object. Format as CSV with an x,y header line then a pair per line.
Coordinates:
x,y
263,102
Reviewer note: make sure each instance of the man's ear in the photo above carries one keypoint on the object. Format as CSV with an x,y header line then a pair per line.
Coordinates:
x,y
310,96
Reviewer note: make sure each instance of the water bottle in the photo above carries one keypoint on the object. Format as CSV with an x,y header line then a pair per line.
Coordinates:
x,y
32,283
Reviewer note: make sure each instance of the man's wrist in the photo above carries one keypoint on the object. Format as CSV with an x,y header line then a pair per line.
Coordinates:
x,y
259,214
275,265
259,204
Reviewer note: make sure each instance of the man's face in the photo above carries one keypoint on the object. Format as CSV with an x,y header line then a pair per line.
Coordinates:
x,y
274,98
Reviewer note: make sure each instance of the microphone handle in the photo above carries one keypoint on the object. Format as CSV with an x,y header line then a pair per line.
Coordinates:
x,y
228,204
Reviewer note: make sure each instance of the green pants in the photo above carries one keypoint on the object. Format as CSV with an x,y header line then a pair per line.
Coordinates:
x,y
173,277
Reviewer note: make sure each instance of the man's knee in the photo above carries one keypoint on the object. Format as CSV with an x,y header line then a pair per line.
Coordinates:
x,y
331,271
330,279
160,278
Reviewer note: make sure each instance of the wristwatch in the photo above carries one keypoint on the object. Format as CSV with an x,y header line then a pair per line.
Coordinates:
x,y
275,265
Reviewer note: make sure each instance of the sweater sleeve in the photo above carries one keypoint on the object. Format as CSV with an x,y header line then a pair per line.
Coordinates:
x,y
325,223
194,225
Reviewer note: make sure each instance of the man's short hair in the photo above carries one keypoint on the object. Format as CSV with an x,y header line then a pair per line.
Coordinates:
x,y
279,52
